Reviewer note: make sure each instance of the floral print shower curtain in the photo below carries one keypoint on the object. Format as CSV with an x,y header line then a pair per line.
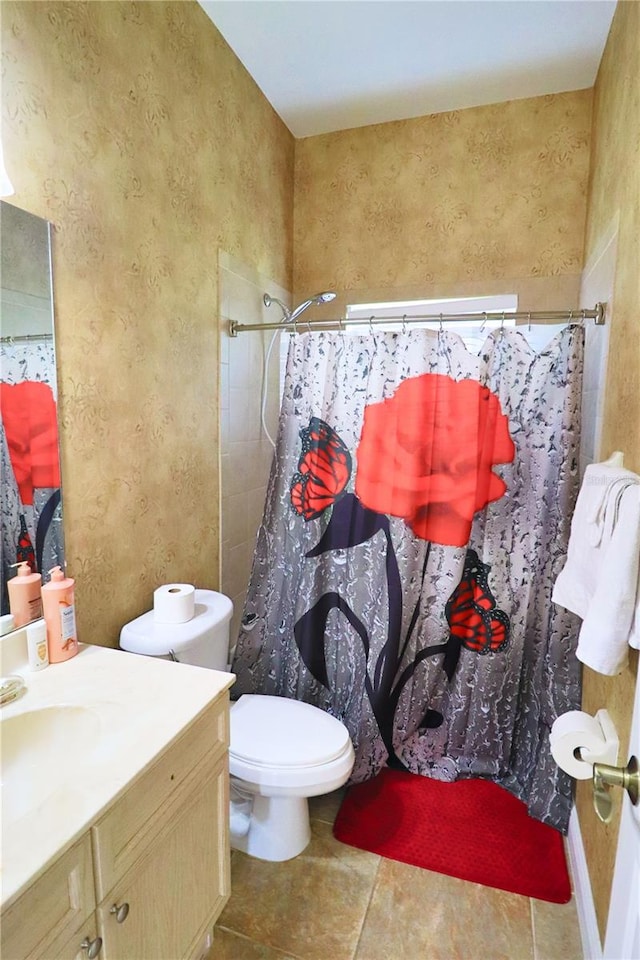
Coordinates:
x,y
417,515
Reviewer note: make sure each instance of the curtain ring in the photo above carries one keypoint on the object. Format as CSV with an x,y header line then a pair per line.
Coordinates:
x,y
441,330
308,325
570,316
484,321
529,320
404,323
295,325
502,321
371,318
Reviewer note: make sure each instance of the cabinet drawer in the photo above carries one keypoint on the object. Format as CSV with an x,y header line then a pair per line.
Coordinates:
x,y
121,836
56,904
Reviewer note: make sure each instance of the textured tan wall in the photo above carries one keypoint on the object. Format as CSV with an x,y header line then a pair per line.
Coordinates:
x,y
485,193
615,187
137,132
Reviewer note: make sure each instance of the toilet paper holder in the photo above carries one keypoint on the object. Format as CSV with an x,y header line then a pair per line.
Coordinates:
x,y
605,777
578,740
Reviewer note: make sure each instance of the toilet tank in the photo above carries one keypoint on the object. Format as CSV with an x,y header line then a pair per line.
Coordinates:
x,y
202,641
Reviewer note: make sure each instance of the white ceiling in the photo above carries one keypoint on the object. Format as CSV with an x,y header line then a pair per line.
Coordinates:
x,y
329,65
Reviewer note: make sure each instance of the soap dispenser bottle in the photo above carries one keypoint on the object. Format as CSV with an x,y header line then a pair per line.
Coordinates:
x,y
25,602
60,616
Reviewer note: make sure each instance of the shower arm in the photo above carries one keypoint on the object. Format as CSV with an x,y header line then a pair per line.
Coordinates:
x,y
289,322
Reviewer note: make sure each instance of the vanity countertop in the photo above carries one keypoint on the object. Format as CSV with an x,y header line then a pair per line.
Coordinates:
x,y
109,715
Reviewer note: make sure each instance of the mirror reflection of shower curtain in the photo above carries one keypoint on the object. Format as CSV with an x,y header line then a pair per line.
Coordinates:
x,y
30,498
417,514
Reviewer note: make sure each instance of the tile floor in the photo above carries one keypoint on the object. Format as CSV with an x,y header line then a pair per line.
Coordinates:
x,y
334,902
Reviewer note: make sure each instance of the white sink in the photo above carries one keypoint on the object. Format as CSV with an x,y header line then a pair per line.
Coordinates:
x,y
42,751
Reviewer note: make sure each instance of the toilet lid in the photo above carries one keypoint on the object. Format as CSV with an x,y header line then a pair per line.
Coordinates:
x,y
276,731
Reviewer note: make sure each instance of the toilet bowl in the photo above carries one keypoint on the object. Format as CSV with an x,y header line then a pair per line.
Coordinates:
x,y
281,751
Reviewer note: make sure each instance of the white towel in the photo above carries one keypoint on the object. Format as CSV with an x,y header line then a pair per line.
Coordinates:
x,y
600,580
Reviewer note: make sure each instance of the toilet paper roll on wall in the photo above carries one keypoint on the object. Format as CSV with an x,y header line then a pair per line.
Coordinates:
x,y
578,740
174,603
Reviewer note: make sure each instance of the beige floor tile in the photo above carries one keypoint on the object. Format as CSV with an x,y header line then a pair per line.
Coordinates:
x,y
419,915
312,906
232,946
556,933
326,807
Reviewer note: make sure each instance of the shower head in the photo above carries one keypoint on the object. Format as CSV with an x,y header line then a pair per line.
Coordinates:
x,y
290,316
323,297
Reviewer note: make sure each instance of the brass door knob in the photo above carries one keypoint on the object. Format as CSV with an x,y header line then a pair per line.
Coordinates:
x,y
605,777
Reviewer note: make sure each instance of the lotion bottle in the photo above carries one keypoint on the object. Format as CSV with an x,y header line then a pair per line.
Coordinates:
x,y
60,616
37,645
25,602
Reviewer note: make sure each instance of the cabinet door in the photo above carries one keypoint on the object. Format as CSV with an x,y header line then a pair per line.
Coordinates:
x,y
122,836
51,908
180,887
77,947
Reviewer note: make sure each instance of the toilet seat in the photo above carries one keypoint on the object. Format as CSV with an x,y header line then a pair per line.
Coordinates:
x,y
276,731
286,747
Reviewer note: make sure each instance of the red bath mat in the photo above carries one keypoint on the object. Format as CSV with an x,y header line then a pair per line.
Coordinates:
x,y
471,829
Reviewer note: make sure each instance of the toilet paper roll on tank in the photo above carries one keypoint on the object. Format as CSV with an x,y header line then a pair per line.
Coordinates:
x,y
186,624
174,603
578,740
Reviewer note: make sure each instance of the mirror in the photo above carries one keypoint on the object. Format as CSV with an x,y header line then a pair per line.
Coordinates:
x,y
30,498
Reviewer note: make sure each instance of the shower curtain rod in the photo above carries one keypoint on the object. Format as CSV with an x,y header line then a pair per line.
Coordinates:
x,y
21,338
305,326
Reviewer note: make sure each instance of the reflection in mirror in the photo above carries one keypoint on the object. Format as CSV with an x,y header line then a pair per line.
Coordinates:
x,y
30,498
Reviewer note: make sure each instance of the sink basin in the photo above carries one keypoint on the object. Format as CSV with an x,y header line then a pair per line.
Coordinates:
x,y
42,750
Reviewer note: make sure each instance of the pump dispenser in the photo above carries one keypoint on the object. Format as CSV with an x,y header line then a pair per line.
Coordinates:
x,y
25,602
60,616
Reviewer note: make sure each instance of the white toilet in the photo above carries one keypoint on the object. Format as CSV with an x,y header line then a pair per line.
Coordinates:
x,y
282,751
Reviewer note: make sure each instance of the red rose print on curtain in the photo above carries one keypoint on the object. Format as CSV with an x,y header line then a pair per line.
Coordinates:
x,y
426,455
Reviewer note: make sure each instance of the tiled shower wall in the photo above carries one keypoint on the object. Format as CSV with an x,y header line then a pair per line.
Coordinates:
x,y
245,453
597,285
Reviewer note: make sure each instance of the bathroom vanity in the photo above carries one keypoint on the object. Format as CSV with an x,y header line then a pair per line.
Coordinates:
x,y
115,809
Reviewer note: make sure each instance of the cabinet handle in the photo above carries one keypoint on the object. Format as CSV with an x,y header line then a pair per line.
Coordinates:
x,y
93,947
121,912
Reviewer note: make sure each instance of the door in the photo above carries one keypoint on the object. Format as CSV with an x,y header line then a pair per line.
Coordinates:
x,y
622,941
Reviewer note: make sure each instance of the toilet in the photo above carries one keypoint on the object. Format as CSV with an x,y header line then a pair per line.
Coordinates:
x,y
281,751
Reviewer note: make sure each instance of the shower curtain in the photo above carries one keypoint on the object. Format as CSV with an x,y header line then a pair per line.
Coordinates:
x,y
417,514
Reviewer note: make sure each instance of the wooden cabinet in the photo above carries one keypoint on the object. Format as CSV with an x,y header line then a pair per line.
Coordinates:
x,y
161,849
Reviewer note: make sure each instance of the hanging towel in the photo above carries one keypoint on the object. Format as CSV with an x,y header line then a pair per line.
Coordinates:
x,y
600,580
